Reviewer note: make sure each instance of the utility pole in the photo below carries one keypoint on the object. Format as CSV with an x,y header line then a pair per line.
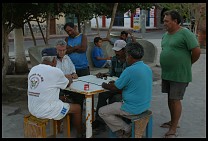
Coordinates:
x,y
143,22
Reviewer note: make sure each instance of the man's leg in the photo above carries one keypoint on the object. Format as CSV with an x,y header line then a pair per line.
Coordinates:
x,y
75,109
112,114
99,124
175,108
175,95
102,101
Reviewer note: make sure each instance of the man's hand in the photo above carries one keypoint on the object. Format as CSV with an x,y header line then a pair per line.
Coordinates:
x,y
70,81
74,76
69,49
105,85
110,82
68,76
101,75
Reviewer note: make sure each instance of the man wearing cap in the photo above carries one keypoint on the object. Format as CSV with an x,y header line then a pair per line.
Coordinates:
x,y
136,85
118,65
44,84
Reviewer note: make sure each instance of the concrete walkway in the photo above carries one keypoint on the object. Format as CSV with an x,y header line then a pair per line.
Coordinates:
x,y
193,119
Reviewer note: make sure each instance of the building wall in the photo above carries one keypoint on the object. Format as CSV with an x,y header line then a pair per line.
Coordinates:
x,y
150,15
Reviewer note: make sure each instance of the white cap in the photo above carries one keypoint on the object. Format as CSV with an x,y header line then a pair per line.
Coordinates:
x,y
119,44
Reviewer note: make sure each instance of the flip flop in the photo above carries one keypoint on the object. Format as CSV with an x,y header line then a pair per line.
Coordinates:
x,y
167,125
171,135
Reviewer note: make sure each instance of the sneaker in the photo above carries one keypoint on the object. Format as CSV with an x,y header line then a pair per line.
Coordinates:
x,y
95,124
123,134
119,133
127,134
101,128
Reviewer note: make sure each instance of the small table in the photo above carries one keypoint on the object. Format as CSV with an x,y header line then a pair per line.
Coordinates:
x,y
95,87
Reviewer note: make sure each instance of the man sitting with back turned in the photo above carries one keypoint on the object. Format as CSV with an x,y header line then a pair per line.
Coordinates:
x,y
44,84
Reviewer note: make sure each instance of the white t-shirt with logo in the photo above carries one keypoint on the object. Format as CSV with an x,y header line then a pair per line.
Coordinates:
x,y
44,84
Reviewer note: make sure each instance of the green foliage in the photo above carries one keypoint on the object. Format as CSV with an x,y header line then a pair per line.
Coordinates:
x,y
182,8
16,14
107,8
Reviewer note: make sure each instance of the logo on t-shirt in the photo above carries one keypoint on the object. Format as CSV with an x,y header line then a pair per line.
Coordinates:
x,y
34,81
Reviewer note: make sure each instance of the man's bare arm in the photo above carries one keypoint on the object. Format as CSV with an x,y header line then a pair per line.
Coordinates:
x,y
195,54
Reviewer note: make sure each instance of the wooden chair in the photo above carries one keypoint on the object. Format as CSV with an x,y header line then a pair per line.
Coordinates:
x,y
36,128
139,123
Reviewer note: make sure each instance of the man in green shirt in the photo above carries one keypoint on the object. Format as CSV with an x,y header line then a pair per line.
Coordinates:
x,y
180,49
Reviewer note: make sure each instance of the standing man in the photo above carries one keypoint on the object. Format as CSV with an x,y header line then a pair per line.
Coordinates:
x,y
76,49
136,85
180,49
44,84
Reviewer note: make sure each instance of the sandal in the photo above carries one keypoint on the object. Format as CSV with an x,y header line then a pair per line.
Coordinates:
x,y
167,125
171,135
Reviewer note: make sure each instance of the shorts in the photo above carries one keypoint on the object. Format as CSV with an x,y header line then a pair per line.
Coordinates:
x,y
63,112
107,64
175,90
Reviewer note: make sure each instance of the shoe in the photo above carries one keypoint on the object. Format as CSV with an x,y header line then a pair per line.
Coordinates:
x,y
95,124
98,130
127,134
119,133
171,135
167,125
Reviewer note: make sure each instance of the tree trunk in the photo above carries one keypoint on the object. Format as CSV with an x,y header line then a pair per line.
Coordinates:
x,y
84,27
41,31
48,27
20,58
112,19
31,31
78,22
5,57
97,25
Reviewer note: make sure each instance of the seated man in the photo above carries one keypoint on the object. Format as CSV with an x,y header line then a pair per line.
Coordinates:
x,y
136,85
98,58
63,60
118,65
44,84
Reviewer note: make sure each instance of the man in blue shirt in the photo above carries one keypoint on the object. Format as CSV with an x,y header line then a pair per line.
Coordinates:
x,y
76,49
136,85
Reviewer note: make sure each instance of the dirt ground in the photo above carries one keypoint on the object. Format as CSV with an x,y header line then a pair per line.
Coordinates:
x,y
17,92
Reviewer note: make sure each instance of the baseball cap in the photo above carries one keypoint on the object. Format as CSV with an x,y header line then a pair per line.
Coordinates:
x,y
49,52
119,44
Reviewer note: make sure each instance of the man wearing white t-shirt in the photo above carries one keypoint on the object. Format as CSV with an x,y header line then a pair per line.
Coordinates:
x,y
44,84
63,61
